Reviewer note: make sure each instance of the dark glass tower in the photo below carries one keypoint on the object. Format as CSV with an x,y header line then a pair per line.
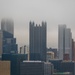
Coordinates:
x,y
8,41
37,41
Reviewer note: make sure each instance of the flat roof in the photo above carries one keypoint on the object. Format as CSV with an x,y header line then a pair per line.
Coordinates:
x,y
32,61
62,73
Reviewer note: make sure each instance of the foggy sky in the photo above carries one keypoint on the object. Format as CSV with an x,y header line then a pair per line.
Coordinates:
x,y
54,12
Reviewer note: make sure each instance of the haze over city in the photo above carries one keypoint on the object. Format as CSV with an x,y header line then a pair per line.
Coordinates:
x,y
54,12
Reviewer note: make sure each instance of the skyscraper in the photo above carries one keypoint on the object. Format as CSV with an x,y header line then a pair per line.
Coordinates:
x,y
64,42
7,25
73,50
37,41
8,42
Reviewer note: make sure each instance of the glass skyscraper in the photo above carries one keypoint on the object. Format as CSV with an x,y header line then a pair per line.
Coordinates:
x,y
64,42
7,25
8,42
37,41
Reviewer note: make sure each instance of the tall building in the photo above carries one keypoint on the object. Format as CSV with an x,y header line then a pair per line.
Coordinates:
x,y
1,44
37,41
73,50
7,40
7,25
64,43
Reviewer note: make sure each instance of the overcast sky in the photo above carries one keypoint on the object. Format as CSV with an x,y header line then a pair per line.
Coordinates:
x,y
54,12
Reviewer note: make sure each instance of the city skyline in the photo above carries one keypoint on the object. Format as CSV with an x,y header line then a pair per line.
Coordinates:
x,y
53,12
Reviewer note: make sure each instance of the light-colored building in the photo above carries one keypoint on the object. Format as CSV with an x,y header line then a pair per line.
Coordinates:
x,y
68,43
5,68
50,55
64,42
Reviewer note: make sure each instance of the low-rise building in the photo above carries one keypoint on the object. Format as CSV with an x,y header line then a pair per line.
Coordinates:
x,y
5,68
36,68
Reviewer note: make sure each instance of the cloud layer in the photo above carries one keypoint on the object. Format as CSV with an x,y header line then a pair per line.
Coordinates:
x,y
54,12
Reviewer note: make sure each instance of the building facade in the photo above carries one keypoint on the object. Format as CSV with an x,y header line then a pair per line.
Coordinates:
x,y
7,25
54,50
68,66
36,68
50,55
15,60
37,41
64,43
73,50
5,68
8,42
1,44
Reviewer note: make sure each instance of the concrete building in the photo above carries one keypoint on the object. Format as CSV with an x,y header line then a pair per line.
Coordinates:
x,y
50,55
15,61
37,41
54,50
36,68
5,68
64,43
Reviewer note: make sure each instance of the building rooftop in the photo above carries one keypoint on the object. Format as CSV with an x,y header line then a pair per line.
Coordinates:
x,y
32,61
62,73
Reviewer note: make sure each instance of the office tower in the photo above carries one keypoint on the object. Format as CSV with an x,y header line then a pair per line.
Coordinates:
x,y
8,42
37,41
7,25
64,43
5,68
0,44
73,50
61,40
36,68
68,43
